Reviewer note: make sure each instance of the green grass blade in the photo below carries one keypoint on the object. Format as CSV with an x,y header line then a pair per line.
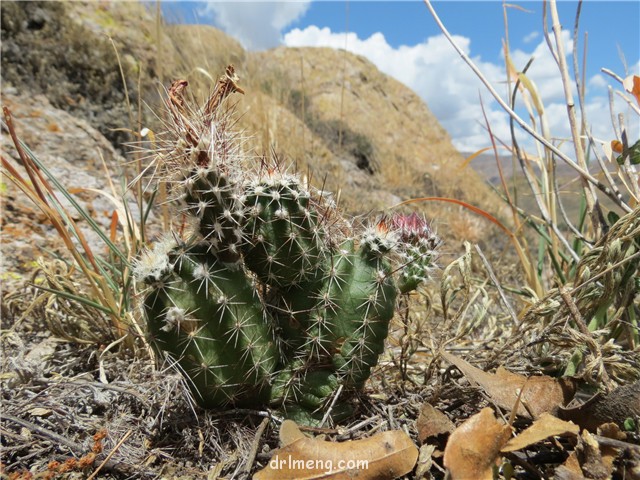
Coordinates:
x,y
94,226
76,298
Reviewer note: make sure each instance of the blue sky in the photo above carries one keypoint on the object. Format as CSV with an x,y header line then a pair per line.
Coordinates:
x,y
402,39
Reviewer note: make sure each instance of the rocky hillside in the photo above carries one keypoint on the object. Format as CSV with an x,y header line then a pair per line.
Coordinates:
x,y
352,129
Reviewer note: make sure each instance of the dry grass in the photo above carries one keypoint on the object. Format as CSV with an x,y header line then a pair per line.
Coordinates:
x,y
590,319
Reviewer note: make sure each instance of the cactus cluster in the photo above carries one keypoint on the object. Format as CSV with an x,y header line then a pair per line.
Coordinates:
x,y
272,297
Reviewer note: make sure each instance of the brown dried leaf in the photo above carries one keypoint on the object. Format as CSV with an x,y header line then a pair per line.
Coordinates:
x,y
40,412
615,406
425,461
544,427
385,455
609,454
43,351
432,422
570,470
474,446
632,85
611,430
540,394
289,433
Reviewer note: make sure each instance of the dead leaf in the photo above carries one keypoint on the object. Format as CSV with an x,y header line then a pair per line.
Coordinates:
x,y
289,433
632,85
425,461
432,422
609,454
43,351
385,455
611,430
546,426
40,412
616,406
474,446
540,394
570,470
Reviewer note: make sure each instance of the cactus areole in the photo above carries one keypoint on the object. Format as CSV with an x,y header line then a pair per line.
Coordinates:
x,y
273,298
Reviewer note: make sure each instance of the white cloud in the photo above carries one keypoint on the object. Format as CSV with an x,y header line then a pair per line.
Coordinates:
x,y
597,81
531,37
452,91
256,25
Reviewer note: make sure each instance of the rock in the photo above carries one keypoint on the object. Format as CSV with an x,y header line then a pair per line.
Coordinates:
x,y
46,49
73,151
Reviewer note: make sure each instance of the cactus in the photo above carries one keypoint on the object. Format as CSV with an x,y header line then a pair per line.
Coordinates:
x,y
210,198
212,322
286,236
416,248
273,297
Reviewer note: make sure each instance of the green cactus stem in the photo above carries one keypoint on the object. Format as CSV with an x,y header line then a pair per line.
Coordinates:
x,y
286,236
305,395
357,305
209,319
213,200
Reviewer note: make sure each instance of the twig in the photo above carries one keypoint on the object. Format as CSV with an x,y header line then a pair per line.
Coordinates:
x,y
43,432
246,411
563,212
503,297
580,81
545,28
105,386
391,419
333,402
108,457
492,138
349,432
590,196
515,458
612,74
255,446
544,212
614,124
633,105
612,442
603,167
